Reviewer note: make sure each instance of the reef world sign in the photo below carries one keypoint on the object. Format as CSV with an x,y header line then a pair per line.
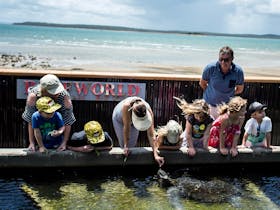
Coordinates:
x,y
90,90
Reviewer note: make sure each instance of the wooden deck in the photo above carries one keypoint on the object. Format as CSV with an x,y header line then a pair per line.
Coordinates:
x,y
21,158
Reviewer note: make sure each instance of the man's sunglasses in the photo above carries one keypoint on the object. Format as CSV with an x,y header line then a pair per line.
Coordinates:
x,y
224,59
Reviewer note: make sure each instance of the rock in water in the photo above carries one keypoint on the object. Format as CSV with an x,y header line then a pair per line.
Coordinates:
x,y
212,191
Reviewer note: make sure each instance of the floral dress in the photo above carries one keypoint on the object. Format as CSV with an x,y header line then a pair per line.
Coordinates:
x,y
230,131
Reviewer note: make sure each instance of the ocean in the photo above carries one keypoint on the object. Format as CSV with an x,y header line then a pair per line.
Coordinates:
x,y
72,47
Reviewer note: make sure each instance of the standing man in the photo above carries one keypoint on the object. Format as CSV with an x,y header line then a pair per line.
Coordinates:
x,y
221,80
49,86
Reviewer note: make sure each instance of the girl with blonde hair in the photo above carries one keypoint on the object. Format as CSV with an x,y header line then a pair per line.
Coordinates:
x,y
198,124
225,130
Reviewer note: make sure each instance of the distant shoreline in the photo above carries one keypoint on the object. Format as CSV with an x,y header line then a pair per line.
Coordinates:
x,y
121,28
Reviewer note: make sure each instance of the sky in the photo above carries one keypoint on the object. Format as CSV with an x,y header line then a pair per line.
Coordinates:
x,y
220,16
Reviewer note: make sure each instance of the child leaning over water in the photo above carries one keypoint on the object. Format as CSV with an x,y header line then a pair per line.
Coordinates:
x,y
168,138
47,124
91,138
198,124
225,129
258,128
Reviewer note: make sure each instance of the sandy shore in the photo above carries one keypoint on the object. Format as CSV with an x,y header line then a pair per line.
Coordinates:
x,y
165,69
34,63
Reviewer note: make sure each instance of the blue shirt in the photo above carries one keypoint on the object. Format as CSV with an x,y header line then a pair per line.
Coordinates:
x,y
46,126
221,86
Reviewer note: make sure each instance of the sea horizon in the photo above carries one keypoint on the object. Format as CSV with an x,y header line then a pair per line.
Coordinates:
x,y
124,28
80,48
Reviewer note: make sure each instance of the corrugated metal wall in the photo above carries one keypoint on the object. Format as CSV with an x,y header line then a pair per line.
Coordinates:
x,y
13,131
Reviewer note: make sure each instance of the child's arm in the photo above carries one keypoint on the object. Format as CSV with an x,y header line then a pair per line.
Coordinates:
x,y
38,137
222,136
191,150
157,143
233,149
268,139
244,139
268,133
88,148
85,148
31,138
206,136
189,134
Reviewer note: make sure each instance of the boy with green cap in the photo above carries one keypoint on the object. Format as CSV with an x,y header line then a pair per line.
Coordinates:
x,y
47,124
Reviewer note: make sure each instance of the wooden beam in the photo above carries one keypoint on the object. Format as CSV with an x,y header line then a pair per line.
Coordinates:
x,y
121,75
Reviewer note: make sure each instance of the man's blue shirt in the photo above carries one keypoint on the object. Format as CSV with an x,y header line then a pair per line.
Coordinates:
x,y
221,86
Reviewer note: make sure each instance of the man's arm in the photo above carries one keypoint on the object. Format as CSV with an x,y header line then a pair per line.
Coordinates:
x,y
203,83
238,89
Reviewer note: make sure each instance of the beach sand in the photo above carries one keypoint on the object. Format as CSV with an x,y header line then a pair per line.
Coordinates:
x,y
165,69
34,63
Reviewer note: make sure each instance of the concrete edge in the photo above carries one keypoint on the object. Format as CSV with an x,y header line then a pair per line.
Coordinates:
x,y
20,157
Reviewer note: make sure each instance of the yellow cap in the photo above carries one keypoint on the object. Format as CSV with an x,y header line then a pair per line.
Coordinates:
x,y
47,104
94,132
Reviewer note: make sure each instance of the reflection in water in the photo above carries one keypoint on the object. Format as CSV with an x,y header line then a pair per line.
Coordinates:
x,y
113,193
90,190
268,186
12,197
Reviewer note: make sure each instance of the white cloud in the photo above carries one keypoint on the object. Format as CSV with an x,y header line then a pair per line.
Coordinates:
x,y
103,12
250,16
104,7
271,7
255,6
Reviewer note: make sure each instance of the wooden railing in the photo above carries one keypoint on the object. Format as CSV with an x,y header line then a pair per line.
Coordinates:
x,y
160,89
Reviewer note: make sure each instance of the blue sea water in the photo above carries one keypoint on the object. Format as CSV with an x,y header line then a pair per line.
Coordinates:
x,y
66,47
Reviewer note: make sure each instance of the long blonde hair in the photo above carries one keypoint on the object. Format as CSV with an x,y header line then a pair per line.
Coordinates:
x,y
196,107
234,105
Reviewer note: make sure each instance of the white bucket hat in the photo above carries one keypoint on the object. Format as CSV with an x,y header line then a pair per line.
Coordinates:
x,y
52,84
174,130
142,123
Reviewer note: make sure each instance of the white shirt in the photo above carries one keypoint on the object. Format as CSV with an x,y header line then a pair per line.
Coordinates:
x,y
251,126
